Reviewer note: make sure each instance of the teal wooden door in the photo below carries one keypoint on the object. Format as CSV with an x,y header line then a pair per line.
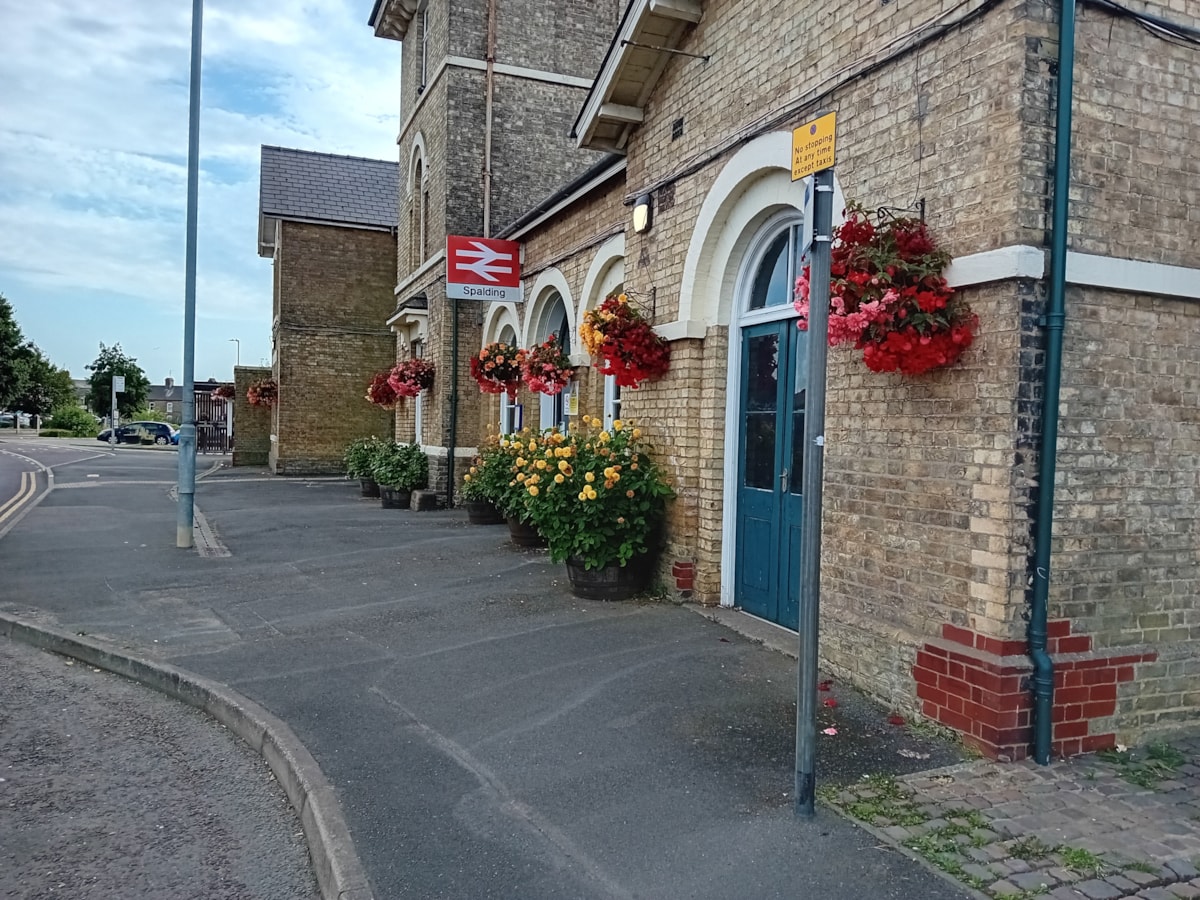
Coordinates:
x,y
770,451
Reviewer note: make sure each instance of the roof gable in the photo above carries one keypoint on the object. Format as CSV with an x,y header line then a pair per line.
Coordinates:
x,y
325,188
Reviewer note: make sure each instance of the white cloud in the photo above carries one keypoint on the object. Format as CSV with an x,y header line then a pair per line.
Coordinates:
x,y
93,148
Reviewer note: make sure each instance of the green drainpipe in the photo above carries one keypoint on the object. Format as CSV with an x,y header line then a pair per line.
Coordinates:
x,y
1043,667
453,442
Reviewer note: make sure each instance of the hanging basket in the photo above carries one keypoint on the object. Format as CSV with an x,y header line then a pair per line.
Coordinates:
x,y
547,369
496,368
264,392
888,297
623,343
409,378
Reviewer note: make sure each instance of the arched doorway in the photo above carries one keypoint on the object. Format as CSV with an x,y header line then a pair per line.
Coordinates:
x,y
769,354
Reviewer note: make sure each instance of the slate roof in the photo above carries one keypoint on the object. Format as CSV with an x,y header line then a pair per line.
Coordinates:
x,y
325,187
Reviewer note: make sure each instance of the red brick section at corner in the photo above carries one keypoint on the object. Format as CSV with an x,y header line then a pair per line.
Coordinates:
x,y
684,573
977,685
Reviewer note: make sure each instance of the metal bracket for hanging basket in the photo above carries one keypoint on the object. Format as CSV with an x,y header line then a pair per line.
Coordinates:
x,y
897,212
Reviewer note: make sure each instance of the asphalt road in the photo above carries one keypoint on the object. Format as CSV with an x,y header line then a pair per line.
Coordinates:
x,y
487,734
108,789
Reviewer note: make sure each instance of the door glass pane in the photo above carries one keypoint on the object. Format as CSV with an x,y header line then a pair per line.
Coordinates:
x,y
771,280
760,450
799,382
762,382
762,400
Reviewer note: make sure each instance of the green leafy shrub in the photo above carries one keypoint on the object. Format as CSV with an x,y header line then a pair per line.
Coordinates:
x,y
146,415
360,455
57,433
402,467
74,420
490,476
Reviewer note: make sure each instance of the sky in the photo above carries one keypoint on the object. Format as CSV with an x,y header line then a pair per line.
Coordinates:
x,y
93,164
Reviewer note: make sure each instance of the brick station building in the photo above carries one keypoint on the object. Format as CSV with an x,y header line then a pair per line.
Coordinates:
x,y
328,223
932,496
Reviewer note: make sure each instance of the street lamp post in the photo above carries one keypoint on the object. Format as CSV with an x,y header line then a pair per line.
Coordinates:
x,y
185,520
239,350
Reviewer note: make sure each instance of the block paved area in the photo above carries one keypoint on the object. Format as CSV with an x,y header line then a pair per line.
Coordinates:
x,y
1098,827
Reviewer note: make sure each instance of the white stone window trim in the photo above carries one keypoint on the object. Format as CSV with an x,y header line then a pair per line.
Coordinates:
x,y
612,401
479,65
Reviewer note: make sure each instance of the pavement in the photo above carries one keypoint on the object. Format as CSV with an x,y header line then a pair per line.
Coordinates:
x,y
481,733
109,789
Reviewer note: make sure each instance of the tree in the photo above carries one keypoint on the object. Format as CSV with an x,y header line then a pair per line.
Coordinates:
x,y
113,361
41,385
12,348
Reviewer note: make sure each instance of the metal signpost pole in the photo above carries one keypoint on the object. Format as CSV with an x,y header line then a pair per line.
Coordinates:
x,y
814,468
187,430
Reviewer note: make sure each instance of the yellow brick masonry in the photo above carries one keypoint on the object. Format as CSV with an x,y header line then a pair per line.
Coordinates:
x,y
334,292
929,480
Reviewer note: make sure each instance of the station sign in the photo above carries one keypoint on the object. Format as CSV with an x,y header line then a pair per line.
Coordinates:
x,y
483,269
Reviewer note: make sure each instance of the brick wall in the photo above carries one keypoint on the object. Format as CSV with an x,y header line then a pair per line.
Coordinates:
x,y
930,481
532,155
335,289
1127,502
252,424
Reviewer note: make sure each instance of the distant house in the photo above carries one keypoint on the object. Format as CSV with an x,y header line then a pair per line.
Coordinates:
x,y
328,223
167,400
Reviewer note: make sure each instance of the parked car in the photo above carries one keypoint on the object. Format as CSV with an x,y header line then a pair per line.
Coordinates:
x,y
142,433
8,420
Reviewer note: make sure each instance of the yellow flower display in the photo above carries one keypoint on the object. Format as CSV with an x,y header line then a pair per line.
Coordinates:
x,y
567,484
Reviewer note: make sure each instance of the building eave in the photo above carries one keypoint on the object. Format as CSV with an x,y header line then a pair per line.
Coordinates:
x,y
635,61
266,234
390,18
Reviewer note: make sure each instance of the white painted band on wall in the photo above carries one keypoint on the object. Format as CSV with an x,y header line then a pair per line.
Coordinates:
x,y
443,452
464,62
1024,261
433,261
1083,269
1133,275
1020,261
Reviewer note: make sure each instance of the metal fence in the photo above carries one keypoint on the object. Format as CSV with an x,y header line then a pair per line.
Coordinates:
x,y
212,424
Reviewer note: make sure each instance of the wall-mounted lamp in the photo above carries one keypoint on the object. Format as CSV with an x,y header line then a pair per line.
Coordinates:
x,y
643,214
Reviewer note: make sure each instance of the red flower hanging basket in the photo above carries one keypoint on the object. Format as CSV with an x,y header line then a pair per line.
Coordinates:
x,y
888,297
547,369
623,343
411,377
497,368
264,392
380,392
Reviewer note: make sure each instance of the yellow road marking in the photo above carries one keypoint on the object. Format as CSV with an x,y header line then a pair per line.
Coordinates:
x,y
28,484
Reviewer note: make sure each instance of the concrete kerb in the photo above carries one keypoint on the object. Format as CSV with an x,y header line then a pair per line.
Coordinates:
x,y
339,872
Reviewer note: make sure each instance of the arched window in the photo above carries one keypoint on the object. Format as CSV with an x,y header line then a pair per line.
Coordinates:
x,y
776,269
510,410
553,321
420,197
612,390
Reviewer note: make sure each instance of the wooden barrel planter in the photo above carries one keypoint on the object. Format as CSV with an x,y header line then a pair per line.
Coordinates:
x,y
524,535
393,498
611,582
369,487
481,512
